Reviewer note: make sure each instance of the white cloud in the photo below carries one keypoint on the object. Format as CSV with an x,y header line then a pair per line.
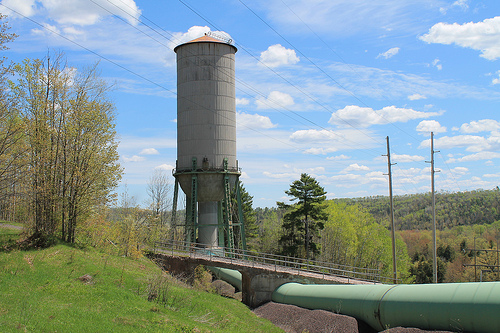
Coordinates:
x,y
318,136
427,126
277,55
389,53
483,36
78,12
149,151
286,175
242,101
320,151
347,17
497,79
275,99
48,29
73,32
485,155
356,116
351,180
166,167
338,158
459,171
492,175
471,143
254,121
484,125
462,4
23,7
404,158
411,175
347,180
355,167
192,33
134,158
416,97
436,64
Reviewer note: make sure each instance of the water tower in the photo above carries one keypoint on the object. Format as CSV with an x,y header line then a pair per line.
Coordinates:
x,y
206,168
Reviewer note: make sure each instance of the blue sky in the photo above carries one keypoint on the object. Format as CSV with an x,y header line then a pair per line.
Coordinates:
x,y
320,84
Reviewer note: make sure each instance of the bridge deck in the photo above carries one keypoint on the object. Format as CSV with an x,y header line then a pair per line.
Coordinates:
x,y
270,265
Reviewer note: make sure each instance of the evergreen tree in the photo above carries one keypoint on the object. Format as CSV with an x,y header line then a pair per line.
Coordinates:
x,y
304,219
249,219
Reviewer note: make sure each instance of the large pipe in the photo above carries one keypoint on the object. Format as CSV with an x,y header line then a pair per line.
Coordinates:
x,y
231,276
469,307
460,307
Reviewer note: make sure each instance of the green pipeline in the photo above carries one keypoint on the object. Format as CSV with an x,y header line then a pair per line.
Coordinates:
x,y
469,307
231,276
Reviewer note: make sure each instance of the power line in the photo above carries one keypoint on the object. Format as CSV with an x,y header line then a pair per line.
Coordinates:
x,y
266,99
145,78
321,70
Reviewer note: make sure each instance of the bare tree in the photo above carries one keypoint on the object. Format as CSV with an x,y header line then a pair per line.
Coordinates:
x,y
159,190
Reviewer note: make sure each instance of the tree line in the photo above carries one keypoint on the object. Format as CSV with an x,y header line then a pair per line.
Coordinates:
x,y
414,211
58,146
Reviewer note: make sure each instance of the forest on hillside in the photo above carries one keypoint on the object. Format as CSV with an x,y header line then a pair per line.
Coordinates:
x,y
414,211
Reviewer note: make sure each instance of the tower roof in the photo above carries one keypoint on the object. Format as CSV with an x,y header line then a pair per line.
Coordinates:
x,y
205,39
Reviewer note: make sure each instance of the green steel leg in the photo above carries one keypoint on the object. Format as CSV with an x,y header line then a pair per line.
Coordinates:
x,y
220,219
226,204
193,209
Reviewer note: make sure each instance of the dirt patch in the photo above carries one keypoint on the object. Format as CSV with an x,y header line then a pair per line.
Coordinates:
x,y
293,319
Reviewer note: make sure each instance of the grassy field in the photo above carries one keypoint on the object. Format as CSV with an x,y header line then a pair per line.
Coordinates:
x,y
44,291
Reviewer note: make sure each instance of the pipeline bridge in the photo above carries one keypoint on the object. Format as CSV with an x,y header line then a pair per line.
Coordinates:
x,y
257,275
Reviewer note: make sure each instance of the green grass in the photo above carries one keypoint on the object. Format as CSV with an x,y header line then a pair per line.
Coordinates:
x,y
40,291
11,223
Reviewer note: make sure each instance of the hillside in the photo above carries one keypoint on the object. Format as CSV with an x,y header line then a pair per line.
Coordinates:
x,y
68,289
414,211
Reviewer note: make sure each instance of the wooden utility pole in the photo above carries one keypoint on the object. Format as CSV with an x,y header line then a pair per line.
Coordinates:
x,y
434,242
393,231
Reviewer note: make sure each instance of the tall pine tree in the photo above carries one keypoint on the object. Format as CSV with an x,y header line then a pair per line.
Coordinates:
x,y
304,219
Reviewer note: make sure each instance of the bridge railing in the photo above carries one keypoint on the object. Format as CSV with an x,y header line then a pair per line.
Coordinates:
x,y
270,261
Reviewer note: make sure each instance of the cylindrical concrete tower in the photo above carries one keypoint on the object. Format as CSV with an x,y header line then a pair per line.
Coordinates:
x,y
206,132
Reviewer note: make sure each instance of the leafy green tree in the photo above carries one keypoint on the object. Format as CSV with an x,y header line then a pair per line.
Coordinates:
x,y
11,133
268,221
352,237
304,219
71,142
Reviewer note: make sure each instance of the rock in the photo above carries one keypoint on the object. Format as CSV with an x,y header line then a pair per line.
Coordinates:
x,y
223,288
87,279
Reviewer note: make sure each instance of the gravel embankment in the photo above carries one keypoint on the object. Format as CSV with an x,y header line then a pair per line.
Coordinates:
x,y
293,319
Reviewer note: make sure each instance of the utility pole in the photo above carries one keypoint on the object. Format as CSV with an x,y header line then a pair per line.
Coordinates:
x,y
393,232
434,242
